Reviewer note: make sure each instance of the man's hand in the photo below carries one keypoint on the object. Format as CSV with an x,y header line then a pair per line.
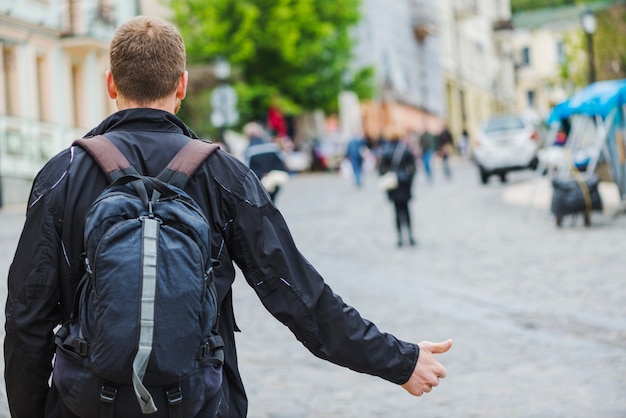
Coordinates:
x,y
428,370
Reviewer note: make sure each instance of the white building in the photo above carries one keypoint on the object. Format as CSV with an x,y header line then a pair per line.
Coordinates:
x,y
477,61
52,91
398,38
542,40
436,62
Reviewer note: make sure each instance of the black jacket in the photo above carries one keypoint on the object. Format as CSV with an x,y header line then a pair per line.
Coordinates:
x,y
247,229
404,167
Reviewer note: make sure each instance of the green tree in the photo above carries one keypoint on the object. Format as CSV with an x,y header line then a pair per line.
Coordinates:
x,y
294,50
526,5
610,43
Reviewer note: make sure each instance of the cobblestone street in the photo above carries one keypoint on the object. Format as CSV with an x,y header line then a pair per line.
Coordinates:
x,y
537,313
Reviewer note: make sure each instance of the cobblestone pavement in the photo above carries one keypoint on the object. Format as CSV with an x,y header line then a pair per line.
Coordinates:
x,y
537,314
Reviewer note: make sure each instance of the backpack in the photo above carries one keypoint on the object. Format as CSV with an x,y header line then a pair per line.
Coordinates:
x,y
143,336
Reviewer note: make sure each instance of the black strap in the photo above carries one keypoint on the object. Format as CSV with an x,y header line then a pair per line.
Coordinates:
x,y
174,401
212,351
108,392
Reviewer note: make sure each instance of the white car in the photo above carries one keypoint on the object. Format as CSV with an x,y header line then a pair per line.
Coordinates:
x,y
506,143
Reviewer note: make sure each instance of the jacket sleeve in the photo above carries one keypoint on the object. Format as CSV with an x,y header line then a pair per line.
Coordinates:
x,y
32,307
294,293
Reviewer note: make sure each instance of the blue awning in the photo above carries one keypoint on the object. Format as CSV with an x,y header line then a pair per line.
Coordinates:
x,y
597,99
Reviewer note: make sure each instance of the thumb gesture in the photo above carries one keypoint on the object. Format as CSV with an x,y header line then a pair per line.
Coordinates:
x,y
428,370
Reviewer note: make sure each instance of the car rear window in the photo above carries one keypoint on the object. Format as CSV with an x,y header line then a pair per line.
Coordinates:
x,y
504,124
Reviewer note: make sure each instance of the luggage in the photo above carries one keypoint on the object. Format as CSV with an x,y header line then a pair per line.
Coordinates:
x,y
575,196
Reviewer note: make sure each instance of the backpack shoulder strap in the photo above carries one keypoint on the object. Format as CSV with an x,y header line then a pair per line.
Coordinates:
x,y
109,158
186,162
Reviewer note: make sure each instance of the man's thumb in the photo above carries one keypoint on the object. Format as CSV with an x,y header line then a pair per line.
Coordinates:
x,y
437,348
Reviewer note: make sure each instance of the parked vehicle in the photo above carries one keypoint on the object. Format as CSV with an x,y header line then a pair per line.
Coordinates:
x,y
506,143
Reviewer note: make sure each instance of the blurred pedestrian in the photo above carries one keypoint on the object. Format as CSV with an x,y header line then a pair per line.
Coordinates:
x,y
464,143
399,158
265,159
428,145
354,153
445,145
148,80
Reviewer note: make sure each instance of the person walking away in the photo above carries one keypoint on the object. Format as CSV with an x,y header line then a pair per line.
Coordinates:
x,y
265,159
445,146
354,154
427,145
399,158
148,80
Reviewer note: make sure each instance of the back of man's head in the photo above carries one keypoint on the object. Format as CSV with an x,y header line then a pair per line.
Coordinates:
x,y
147,59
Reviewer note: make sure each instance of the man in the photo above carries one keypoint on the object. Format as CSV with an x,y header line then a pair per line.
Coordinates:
x,y
445,145
265,159
427,145
148,80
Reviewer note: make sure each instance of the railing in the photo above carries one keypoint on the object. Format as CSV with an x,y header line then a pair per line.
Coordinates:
x,y
26,145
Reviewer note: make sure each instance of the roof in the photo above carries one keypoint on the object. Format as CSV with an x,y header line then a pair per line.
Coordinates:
x,y
555,17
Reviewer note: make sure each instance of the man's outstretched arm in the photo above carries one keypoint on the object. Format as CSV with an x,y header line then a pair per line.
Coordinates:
x,y
428,370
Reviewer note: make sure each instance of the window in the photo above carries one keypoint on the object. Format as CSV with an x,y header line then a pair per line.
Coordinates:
x,y
560,52
77,84
43,103
9,81
525,57
530,97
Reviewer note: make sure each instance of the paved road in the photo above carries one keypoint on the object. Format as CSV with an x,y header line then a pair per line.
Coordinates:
x,y
537,314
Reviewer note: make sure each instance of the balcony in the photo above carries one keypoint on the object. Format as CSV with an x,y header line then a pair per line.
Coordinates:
x,y
465,8
424,19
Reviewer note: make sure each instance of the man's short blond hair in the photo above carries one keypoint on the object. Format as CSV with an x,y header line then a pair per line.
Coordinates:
x,y
147,59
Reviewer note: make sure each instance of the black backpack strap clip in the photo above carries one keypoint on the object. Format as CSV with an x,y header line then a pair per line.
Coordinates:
x,y
174,401
108,392
212,351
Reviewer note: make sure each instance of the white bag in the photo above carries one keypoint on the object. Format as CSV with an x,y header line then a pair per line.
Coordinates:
x,y
274,179
388,181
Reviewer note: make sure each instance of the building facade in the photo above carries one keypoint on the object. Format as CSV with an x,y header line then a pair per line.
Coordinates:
x,y
399,39
52,91
477,61
549,48
437,62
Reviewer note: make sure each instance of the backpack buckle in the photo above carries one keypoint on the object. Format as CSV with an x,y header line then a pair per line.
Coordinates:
x,y
174,395
108,393
81,347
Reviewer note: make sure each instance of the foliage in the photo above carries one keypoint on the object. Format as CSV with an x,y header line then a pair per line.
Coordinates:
x,y
297,50
526,5
610,43
575,68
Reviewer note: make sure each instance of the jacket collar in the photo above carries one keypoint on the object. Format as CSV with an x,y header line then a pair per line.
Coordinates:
x,y
142,119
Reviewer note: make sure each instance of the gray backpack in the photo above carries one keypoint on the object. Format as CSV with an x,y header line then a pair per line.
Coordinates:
x,y
143,337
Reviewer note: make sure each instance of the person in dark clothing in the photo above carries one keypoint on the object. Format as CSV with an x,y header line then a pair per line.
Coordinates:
x,y
399,158
148,80
265,159
445,145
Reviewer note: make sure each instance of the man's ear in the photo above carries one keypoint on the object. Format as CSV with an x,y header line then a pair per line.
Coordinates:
x,y
111,87
181,90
